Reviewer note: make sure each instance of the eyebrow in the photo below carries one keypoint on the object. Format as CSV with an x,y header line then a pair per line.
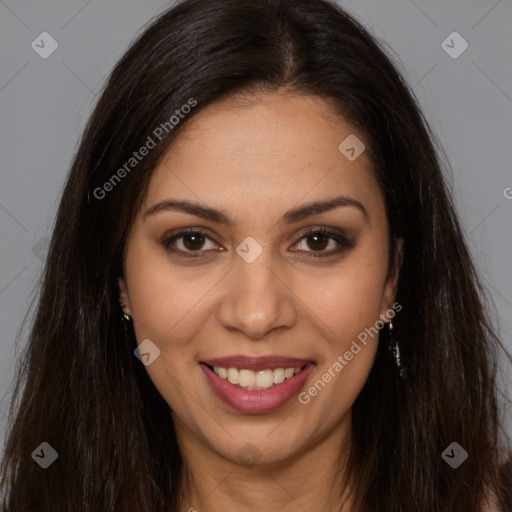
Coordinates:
x,y
222,217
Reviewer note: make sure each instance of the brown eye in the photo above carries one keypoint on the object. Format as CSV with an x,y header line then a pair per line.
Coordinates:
x,y
193,241
188,242
318,240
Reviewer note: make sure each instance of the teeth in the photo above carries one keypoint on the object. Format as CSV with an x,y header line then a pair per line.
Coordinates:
x,y
233,375
246,378
278,376
263,379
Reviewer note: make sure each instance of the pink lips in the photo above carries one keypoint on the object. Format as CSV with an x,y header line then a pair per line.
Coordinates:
x,y
256,401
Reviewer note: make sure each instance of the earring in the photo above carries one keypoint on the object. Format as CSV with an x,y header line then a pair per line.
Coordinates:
x,y
125,317
395,350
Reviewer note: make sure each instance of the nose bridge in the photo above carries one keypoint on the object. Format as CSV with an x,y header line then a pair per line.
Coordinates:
x,y
256,300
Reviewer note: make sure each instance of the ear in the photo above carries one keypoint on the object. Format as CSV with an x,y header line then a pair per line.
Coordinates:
x,y
123,295
391,286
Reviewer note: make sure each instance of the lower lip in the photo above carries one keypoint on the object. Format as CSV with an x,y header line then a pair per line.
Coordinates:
x,y
256,401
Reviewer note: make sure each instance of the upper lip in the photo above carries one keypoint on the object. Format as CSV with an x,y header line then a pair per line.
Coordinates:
x,y
257,363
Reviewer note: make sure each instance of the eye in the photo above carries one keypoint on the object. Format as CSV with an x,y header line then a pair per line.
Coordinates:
x,y
189,241
321,238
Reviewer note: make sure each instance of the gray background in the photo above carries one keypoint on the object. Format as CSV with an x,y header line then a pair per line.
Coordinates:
x,y
44,104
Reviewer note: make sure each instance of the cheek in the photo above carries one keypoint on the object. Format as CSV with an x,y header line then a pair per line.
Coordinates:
x,y
350,299
164,302
349,304
347,357
167,309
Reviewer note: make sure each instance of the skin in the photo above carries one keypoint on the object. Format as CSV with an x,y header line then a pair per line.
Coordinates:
x,y
255,160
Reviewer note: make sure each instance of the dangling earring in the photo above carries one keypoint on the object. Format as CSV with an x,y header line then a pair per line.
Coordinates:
x,y
395,350
125,317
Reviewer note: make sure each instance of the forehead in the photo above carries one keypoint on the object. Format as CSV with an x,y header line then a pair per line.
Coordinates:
x,y
264,151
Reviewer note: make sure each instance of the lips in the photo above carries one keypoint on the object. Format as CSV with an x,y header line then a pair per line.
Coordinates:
x,y
256,400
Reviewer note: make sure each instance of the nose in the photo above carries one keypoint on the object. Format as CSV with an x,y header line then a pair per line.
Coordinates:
x,y
256,298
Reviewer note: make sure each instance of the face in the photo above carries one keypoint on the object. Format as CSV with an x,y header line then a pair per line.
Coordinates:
x,y
256,301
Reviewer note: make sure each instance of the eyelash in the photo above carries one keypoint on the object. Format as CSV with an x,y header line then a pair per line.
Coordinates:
x,y
344,242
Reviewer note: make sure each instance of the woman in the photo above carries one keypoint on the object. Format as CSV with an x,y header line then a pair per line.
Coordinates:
x,y
258,295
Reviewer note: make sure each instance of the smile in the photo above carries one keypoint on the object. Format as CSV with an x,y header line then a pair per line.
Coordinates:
x,y
256,385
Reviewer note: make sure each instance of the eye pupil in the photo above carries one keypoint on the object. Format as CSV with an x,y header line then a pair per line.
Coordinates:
x,y
317,245
197,241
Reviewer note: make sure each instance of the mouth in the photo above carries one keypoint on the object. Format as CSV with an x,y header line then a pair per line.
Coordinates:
x,y
256,385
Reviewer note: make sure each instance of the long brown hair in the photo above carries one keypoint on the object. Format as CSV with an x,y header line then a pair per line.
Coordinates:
x,y
79,386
